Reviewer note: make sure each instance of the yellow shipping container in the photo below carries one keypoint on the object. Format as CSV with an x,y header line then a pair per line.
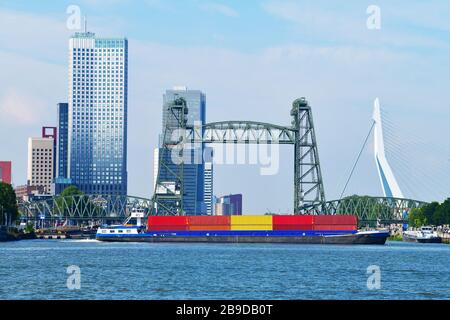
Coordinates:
x,y
251,223
253,227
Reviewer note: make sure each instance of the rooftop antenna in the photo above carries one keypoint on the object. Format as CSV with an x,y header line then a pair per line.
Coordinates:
x,y
85,24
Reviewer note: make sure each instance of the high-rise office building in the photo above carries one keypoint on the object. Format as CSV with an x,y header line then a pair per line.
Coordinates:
x,y
97,119
51,132
195,100
40,163
208,193
208,181
62,181
5,171
193,169
229,205
63,140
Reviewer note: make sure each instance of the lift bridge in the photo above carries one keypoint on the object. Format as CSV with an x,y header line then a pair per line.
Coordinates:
x,y
309,193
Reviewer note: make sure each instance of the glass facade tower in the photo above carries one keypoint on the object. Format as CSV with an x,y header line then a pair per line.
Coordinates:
x,y
194,168
209,180
97,114
63,136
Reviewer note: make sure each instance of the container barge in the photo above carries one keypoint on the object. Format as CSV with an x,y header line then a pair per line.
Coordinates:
x,y
300,229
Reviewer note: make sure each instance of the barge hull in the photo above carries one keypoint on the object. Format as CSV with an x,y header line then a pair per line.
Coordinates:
x,y
340,239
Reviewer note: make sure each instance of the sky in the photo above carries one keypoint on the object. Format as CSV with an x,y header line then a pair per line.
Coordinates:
x,y
252,59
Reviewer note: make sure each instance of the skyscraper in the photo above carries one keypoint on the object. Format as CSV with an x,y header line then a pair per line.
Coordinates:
x,y
208,193
196,103
208,181
51,132
193,171
40,163
97,121
63,137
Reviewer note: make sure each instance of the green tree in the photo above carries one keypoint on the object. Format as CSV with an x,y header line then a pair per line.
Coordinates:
x,y
432,213
29,228
68,200
8,203
416,218
428,212
71,191
64,201
441,215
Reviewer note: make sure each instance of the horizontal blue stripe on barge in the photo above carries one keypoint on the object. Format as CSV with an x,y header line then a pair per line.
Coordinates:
x,y
249,233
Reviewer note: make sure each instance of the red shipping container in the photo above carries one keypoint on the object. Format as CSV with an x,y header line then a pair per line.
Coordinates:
x,y
324,227
292,220
209,228
286,227
209,220
335,220
167,220
167,228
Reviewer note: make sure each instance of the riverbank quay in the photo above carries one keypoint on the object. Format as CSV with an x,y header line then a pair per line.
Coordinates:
x,y
13,234
445,236
66,233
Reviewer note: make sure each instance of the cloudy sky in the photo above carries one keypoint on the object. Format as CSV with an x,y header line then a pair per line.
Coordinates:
x,y
252,59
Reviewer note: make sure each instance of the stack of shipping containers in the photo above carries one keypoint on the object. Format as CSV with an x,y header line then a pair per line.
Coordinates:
x,y
253,223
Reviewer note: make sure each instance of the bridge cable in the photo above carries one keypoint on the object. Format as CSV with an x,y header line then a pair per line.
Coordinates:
x,y
431,178
357,159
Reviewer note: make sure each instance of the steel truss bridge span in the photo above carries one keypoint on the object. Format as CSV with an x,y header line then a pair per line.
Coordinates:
x,y
84,207
247,132
104,207
369,209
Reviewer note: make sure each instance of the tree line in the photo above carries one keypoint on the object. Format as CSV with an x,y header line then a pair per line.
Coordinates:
x,y
434,213
8,204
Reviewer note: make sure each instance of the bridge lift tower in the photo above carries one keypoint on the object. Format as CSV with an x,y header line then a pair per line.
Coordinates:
x,y
168,194
308,182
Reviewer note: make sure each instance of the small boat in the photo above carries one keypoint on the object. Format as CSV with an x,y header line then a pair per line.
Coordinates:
x,y
424,235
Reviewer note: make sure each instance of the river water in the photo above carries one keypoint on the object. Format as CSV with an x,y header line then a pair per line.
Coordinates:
x,y
37,269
